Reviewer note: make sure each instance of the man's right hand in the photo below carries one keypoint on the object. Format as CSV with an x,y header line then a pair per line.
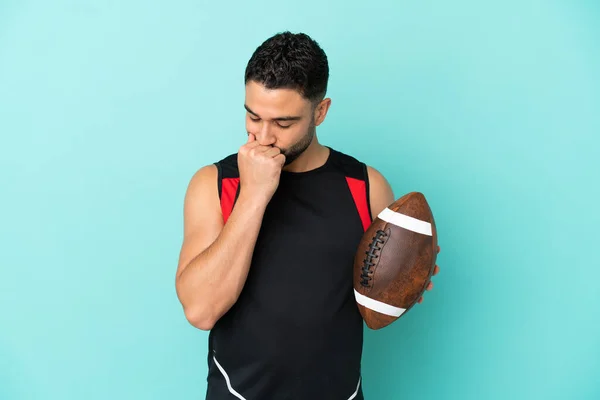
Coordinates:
x,y
260,168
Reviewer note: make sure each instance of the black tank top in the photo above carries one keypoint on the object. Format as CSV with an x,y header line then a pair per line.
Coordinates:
x,y
295,333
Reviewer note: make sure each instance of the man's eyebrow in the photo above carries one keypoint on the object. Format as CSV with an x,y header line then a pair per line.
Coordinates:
x,y
249,110
285,118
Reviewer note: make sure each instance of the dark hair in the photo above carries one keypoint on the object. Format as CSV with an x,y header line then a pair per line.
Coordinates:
x,y
291,61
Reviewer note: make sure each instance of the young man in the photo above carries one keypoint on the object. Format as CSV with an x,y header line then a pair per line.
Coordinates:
x,y
270,235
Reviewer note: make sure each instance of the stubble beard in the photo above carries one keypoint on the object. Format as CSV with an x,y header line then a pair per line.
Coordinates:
x,y
296,150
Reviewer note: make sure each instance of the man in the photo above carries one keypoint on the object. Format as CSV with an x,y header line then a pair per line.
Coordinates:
x,y
270,235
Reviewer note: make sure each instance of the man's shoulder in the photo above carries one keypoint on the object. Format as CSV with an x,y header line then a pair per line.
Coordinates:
x,y
355,162
229,160
380,190
348,164
344,157
227,166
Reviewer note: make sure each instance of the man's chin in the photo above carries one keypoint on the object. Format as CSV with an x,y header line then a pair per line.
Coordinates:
x,y
291,158
288,161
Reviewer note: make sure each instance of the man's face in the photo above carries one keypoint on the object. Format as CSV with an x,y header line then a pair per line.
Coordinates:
x,y
280,118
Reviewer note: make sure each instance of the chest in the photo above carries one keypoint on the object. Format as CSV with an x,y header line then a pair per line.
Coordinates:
x,y
308,238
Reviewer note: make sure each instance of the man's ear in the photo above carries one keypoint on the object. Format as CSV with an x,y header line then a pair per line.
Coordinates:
x,y
321,111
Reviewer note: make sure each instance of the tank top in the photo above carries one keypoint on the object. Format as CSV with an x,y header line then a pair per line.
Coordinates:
x,y
295,332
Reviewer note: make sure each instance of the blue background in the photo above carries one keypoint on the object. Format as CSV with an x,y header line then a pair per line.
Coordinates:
x,y
492,110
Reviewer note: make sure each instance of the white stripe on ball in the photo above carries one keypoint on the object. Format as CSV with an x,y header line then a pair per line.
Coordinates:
x,y
378,306
406,222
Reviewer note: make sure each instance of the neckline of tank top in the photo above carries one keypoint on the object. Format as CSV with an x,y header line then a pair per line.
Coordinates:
x,y
312,171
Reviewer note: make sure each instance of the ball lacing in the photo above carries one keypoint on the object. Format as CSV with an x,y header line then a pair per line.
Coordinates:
x,y
371,255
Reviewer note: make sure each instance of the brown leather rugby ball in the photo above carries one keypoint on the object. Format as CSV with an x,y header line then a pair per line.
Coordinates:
x,y
395,260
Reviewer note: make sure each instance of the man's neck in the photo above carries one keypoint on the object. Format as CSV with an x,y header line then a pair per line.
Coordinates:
x,y
313,157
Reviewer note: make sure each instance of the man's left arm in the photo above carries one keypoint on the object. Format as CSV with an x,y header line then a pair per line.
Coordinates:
x,y
381,196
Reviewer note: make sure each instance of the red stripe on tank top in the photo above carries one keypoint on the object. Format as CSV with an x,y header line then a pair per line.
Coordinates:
x,y
358,188
229,188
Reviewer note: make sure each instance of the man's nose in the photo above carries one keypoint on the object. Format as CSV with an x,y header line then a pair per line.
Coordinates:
x,y
265,136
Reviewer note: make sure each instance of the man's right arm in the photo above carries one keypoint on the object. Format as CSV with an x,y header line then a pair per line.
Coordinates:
x,y
215,257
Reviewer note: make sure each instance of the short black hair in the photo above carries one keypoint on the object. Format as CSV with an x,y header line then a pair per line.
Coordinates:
x,y
292,61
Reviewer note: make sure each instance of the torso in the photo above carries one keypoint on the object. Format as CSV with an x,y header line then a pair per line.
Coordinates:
x,y
295,332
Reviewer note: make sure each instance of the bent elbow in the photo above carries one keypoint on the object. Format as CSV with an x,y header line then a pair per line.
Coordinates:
x,y
200,320
204,325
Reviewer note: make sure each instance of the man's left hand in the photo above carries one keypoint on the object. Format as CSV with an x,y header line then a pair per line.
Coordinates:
x,y
436,269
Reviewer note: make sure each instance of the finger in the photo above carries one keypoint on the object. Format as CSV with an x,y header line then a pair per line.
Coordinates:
x,y
420,300
430,286
272,151
281,159
261,149
436,269
251,138
251,144
439,249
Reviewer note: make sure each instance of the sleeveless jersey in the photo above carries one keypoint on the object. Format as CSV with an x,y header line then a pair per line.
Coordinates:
x,y
295,332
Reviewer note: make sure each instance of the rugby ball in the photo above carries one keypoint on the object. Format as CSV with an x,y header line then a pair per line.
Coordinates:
x,y
395,260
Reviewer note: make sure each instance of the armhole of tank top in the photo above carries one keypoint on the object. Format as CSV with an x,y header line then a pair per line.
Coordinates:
x,y
367,189
219,178
220,185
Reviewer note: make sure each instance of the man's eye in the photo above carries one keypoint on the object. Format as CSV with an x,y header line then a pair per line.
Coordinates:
x,y
283,126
